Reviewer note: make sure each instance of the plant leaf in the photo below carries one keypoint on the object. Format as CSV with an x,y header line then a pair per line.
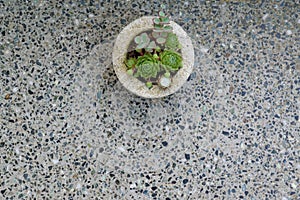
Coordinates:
x,y
137,39
168,28
155,34
141,46
161,14
165,20
160,40
156,21
152,45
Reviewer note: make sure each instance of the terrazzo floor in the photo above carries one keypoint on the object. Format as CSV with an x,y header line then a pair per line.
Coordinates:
x,y
69,129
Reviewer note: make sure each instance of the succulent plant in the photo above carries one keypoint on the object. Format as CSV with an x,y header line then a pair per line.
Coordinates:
x,y
142,41
172,42
161,27
130,62
170,60
147,66
156,54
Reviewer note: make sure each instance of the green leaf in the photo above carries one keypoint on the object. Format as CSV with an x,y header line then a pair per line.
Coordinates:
x,y
156,21
158,49
141,46
155,56
149,84
155,34
167,74
137,39
168,28
163,6
164,34
158,27
161,14
152,45
149,50
165,20
160,40
145,38
130,72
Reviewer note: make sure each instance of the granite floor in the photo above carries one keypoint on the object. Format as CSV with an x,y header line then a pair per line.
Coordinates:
x,y
69,129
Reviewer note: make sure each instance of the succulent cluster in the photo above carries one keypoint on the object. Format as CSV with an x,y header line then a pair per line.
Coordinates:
x,y
156,56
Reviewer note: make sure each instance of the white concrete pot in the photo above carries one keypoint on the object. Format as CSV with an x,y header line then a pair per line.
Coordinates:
x,y
133,84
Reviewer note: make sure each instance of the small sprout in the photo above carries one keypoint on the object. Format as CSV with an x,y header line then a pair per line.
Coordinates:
x,y
163,6
130,72
164,82
167,74
157,49
130,63
155,56
149,84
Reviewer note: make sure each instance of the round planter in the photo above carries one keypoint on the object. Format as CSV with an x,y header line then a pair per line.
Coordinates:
x,y
133,84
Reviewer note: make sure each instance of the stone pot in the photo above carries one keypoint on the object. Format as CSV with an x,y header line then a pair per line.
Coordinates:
x,y
133,84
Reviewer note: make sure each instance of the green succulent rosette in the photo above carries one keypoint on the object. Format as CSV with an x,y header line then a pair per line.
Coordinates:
x,y
171,60
172,42
147,66
130,63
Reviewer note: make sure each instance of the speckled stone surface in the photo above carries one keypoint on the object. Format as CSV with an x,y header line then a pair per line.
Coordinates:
x,y
69,129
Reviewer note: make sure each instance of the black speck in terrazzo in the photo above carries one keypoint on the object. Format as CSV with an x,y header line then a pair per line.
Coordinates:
x,y
185,181
165,143
187,156
226,133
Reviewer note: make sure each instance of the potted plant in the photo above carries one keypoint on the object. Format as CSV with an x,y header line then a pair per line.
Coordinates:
x,y
153,56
